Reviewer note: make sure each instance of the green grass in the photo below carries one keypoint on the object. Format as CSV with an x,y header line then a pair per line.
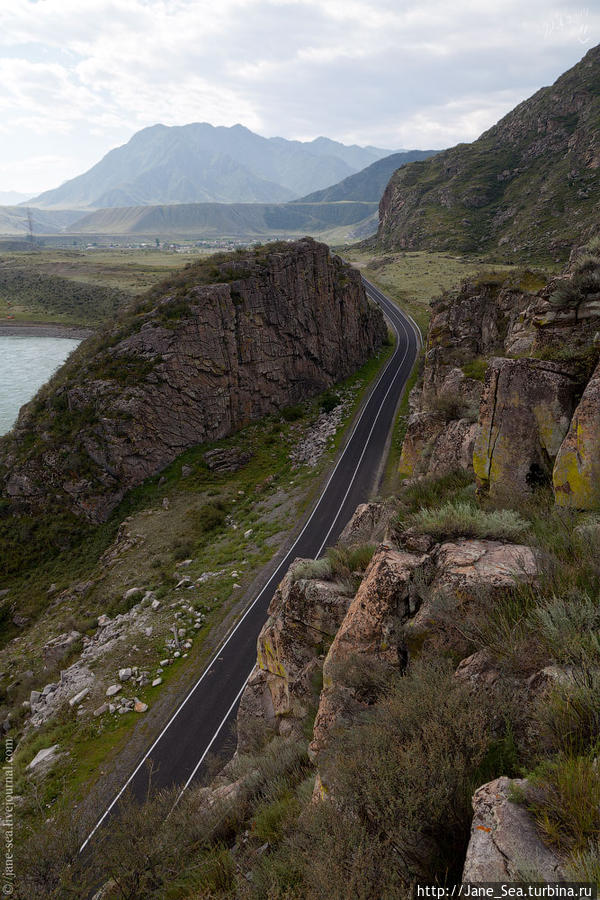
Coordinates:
x,y
565,801
202,503
414,278
463,519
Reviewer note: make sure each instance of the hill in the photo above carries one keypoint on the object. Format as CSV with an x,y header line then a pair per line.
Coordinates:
x,y
224,341
201,163
527,187
14,220
369,183
223,219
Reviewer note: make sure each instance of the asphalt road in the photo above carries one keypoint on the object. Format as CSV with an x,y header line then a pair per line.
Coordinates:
x,y
200,724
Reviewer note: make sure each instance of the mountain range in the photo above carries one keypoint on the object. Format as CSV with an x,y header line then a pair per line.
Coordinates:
x,y
527,187
202,163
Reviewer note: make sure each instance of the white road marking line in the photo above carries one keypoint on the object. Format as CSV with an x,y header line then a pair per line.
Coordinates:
x,y
364,450
352,480
258,596
212,740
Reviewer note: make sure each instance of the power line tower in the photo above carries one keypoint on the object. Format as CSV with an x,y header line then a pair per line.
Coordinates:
x,y
30,236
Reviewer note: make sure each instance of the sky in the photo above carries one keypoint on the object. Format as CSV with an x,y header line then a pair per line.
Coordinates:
x,y
79,77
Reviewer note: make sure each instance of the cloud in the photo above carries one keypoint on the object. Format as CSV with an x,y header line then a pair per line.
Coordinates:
x,y
391,72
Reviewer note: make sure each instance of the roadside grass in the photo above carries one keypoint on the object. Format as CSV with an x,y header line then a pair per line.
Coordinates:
x,y
208,517
413,278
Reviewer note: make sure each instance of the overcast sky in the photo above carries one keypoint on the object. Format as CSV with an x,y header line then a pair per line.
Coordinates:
x,y
79,77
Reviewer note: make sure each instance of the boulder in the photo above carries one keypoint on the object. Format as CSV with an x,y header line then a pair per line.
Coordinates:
x,y
463,570
385,599
372,628
576,475
368,524
59,647
81,695
304,616
43,759
524,416
505,844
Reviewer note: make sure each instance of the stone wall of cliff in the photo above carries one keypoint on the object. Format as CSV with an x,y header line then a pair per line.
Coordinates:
x,y
528,187
467,651
509,386
189,365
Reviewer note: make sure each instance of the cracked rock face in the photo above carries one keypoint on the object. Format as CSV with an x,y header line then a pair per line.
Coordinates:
x,y
576,473
524,416
304,615
206,360
373,629
505,844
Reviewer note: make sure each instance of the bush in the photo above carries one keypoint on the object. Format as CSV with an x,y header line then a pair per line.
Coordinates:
x,y
461,519
569,627
584,865
585,281
408,770
329,401
312,568
209,517
292,413
564,797
428,492
568,719
451,405
476,368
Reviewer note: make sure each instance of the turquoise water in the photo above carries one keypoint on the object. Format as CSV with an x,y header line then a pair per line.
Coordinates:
x,y
26,363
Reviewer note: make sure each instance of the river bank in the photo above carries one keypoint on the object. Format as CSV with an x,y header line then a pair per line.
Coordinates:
x,y
44,329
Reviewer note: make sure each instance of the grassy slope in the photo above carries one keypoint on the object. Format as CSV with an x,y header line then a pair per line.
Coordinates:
x,y
526,187
413,278
78,287
265,496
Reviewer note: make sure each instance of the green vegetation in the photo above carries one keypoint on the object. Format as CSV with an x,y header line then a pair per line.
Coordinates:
x,y
462,519
77,287
414,278
475,368
514,191
36,297
583,285
565,800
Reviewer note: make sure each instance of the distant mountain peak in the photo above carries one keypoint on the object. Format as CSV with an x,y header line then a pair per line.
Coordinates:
x,y
199,162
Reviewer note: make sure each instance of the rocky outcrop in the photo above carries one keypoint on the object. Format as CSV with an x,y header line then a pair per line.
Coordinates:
x,y
403,602
304,616
507,359
467,327
576,475
369,524
270,328
505,844
525,187
525,413
461,571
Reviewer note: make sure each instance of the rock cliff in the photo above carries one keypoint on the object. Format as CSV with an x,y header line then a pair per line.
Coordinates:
x,y
527,186
228,341
509,389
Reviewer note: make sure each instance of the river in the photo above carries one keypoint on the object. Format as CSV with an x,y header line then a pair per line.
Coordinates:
x,y
26,363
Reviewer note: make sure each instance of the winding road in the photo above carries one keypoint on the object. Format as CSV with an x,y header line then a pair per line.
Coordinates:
x,y
199,725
